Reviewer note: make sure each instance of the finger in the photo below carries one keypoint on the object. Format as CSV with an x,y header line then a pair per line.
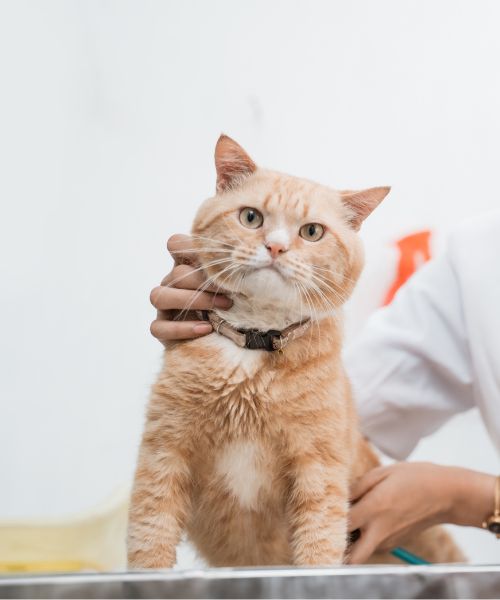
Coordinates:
x,y
168,298
181,247
361,550
362,513
367,481
179,330
187,278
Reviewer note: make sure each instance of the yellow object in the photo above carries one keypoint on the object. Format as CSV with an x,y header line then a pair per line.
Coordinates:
x,y
93,541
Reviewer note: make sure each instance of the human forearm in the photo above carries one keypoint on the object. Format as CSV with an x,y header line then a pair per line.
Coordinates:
x,y
471,496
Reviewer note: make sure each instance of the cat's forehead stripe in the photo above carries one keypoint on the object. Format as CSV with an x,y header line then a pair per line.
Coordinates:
x,y
267,200
288,194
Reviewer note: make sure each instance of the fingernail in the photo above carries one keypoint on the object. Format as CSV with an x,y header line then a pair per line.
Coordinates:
x,y
222,302
202,328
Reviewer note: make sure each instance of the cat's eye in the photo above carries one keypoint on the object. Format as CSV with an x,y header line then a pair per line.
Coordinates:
x,y
251,218
312,232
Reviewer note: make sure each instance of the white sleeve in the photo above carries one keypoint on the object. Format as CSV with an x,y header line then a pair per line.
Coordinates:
x,y
410,367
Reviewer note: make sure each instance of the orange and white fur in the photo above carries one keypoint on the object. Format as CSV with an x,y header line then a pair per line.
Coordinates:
x,y
252,452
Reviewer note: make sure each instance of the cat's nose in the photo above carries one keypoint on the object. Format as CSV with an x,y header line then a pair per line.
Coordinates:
x,y
275,249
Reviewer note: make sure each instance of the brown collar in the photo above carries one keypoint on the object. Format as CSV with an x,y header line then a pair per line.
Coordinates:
x,y
253,339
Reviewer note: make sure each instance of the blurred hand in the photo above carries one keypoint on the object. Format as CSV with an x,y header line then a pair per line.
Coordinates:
x,y
177,296
398,501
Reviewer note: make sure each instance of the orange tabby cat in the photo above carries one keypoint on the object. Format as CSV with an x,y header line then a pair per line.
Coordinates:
x,y
252,451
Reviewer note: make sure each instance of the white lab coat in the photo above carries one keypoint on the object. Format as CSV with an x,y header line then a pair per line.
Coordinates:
x,y
435,351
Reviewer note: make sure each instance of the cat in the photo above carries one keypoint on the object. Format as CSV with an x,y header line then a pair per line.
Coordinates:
x,y
251,450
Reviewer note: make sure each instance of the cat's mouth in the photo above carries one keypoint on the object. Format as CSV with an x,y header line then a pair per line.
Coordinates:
x,y
272,268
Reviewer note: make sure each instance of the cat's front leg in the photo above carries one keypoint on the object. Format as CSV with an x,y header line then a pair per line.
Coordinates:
x,y
318,507
160,506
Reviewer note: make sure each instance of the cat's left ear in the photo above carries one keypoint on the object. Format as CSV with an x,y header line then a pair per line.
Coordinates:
x,y
232,163
362,203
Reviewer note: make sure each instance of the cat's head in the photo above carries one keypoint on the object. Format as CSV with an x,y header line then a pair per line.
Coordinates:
x,y
276,238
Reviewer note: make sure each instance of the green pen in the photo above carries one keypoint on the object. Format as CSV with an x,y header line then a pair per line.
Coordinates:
x,y
408,557
400,553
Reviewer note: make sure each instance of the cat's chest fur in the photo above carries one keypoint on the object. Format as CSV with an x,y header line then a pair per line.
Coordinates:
x,y
243,468
238,422
236,384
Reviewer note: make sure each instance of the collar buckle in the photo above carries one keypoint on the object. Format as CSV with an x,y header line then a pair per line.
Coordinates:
x,y
262,340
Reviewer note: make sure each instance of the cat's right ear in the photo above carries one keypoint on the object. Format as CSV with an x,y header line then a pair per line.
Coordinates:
x,y
362,203
232,163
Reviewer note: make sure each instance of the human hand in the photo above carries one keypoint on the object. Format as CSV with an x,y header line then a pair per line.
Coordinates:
x,y
175,296
398,501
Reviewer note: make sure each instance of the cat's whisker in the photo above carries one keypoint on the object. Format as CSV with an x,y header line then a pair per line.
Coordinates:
x,y
312,314
302,267
208,239
294,283
318,326
312,277
297,286
301,303
313,294
230,274
343,276
302,298
341,297
201,250
213,279
332,282
323,299
237,287
240,282
245,253
197,269
210,281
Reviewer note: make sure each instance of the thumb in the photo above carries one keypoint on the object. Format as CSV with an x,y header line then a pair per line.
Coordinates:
x,y
366,482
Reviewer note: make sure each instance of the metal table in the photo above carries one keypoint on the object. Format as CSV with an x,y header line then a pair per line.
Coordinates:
x,y
437,581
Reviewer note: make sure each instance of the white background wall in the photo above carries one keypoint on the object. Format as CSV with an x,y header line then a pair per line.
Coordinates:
x,y
109,111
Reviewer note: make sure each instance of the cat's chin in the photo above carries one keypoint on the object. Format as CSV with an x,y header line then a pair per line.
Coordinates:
x,y
264,300
267,283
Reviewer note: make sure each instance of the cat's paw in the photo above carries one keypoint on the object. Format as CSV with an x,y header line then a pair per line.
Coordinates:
x,y
316,557
145,560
